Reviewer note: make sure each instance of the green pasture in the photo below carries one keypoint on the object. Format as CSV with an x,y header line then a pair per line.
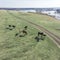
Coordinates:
x,y
47,22
26,48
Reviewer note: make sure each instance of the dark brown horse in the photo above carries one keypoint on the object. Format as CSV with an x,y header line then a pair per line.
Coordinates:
x,y
40,33
25,27
24,32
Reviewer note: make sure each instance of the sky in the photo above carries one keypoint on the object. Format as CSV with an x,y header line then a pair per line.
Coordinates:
x,y
29,3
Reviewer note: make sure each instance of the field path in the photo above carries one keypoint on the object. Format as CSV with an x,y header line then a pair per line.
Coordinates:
x,y
53,37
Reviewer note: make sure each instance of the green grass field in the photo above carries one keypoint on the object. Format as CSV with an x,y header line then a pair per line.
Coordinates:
x,y
47,22
26,48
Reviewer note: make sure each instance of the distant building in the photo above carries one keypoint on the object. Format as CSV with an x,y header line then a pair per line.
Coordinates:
x,y
52,13
27,11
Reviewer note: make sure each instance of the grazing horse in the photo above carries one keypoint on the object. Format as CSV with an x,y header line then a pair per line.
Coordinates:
x,y
9,25
25,27
40,33
37,38
44,35
24,32
10,29
16,34
13,26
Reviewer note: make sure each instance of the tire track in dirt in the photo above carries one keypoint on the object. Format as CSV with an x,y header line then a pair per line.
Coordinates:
x,y
54,37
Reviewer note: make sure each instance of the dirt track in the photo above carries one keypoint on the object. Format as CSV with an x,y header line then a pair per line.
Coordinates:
x,y
54,37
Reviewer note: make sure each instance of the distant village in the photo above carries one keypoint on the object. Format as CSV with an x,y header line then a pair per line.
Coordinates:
x,y
55,12
52,13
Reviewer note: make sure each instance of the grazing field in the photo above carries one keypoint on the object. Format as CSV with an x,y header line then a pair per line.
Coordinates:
x,y
47,22
26,48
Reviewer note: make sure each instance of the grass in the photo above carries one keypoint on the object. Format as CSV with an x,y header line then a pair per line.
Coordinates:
x,y
23,48
47,22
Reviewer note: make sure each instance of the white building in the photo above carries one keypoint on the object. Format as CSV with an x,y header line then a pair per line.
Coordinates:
x,y
52,13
